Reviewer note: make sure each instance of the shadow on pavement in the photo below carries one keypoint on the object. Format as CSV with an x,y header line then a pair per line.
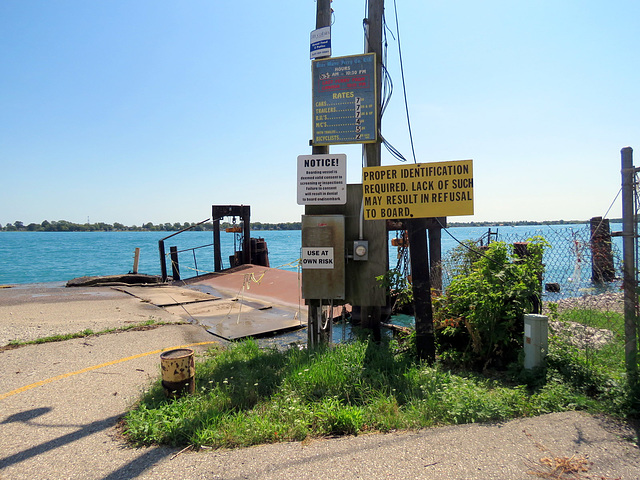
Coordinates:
x,y
128,471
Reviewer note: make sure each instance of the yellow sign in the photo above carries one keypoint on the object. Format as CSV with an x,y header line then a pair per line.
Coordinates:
x,y
418,190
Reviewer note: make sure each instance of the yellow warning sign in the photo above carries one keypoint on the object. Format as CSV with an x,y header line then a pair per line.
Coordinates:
x,y
418,190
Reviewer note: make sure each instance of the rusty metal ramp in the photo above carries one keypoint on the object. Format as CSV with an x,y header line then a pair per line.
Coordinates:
x,y
163,296
281,287
227,318
233,319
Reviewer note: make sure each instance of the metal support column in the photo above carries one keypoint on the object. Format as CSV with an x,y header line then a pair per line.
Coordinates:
x,y
629,266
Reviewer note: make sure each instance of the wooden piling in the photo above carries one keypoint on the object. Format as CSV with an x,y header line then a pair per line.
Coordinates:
x,y
602,268
175,267
425,336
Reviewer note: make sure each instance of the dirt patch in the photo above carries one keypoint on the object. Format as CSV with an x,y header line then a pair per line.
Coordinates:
x,y
581,336
604,302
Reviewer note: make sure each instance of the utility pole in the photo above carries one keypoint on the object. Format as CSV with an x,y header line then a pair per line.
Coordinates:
x,y
314,333
323,19
417,228
370,315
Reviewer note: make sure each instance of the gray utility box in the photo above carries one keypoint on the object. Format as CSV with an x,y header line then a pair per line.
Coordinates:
x,y
536,340
323,257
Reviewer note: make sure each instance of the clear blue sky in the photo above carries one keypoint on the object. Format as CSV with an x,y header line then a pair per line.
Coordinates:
x,y
140,111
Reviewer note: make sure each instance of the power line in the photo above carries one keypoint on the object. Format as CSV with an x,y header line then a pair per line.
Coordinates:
x,y
404,86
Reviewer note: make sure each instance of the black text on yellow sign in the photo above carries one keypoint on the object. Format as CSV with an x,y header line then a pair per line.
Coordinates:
x,y
419,190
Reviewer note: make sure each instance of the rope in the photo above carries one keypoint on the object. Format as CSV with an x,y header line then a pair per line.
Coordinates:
x,y
294,263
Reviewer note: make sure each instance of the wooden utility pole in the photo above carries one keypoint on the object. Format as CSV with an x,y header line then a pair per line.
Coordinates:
x,y
373,44
370,315
315,335
425,339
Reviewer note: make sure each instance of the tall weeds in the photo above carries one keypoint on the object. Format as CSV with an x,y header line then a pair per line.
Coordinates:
x,y
246,396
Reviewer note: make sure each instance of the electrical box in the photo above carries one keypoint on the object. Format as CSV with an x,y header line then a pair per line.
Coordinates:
x,y
536,341
360,250
323,257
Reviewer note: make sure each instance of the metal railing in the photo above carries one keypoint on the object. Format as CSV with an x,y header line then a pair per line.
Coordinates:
x,y
174,253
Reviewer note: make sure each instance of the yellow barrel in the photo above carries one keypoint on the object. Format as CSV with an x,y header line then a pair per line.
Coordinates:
x,y
178,372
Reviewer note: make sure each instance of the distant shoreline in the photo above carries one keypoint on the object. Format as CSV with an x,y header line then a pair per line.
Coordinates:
x,y
524,223
65,226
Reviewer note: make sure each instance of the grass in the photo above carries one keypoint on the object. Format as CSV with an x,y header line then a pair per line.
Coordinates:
x,y
598,371
246,396
85,333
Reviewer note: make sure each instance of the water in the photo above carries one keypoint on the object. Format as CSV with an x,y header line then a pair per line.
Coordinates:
x,y
36,257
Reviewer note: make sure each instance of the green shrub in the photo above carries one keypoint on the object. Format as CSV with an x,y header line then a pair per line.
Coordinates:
x,y
479,319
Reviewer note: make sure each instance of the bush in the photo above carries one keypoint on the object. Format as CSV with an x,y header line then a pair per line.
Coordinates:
x,y
479,320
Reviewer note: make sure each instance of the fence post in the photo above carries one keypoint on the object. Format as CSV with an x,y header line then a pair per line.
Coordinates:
x,y
629,266
163,261
175,267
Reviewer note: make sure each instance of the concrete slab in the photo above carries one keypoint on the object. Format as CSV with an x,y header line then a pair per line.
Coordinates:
x,y
31,312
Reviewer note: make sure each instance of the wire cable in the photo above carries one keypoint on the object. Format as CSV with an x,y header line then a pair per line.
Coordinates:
x,y
404,85
387,82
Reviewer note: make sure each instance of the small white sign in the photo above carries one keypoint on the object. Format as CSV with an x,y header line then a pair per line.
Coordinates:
x,y
322,179
317,257
321,42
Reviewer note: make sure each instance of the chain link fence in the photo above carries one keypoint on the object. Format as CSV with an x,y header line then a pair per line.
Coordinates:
x,y
585,304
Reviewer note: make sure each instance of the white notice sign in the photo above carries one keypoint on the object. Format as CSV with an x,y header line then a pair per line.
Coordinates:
x,y
322,179
317,257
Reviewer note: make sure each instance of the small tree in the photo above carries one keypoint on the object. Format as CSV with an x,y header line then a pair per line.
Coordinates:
x,y
479,321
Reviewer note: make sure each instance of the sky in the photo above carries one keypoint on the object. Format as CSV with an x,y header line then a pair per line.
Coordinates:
x,y
137,111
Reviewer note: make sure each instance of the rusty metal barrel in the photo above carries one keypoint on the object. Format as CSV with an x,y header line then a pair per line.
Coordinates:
x,y
178,372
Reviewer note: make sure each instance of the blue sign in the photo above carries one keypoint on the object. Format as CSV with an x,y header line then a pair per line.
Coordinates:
x,y
344,100
321,42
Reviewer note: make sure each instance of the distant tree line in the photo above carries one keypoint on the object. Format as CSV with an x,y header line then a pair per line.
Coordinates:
x,y
65,226
520,223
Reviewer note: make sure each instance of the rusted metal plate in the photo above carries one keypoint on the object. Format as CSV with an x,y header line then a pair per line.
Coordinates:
x,y
279,287
233,319
219,308
250,324
256,301
240,317
168,295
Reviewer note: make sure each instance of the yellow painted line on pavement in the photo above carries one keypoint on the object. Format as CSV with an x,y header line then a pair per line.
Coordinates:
x,y
94,367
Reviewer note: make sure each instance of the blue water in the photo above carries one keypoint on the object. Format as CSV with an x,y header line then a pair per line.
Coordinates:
x,y
35,257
